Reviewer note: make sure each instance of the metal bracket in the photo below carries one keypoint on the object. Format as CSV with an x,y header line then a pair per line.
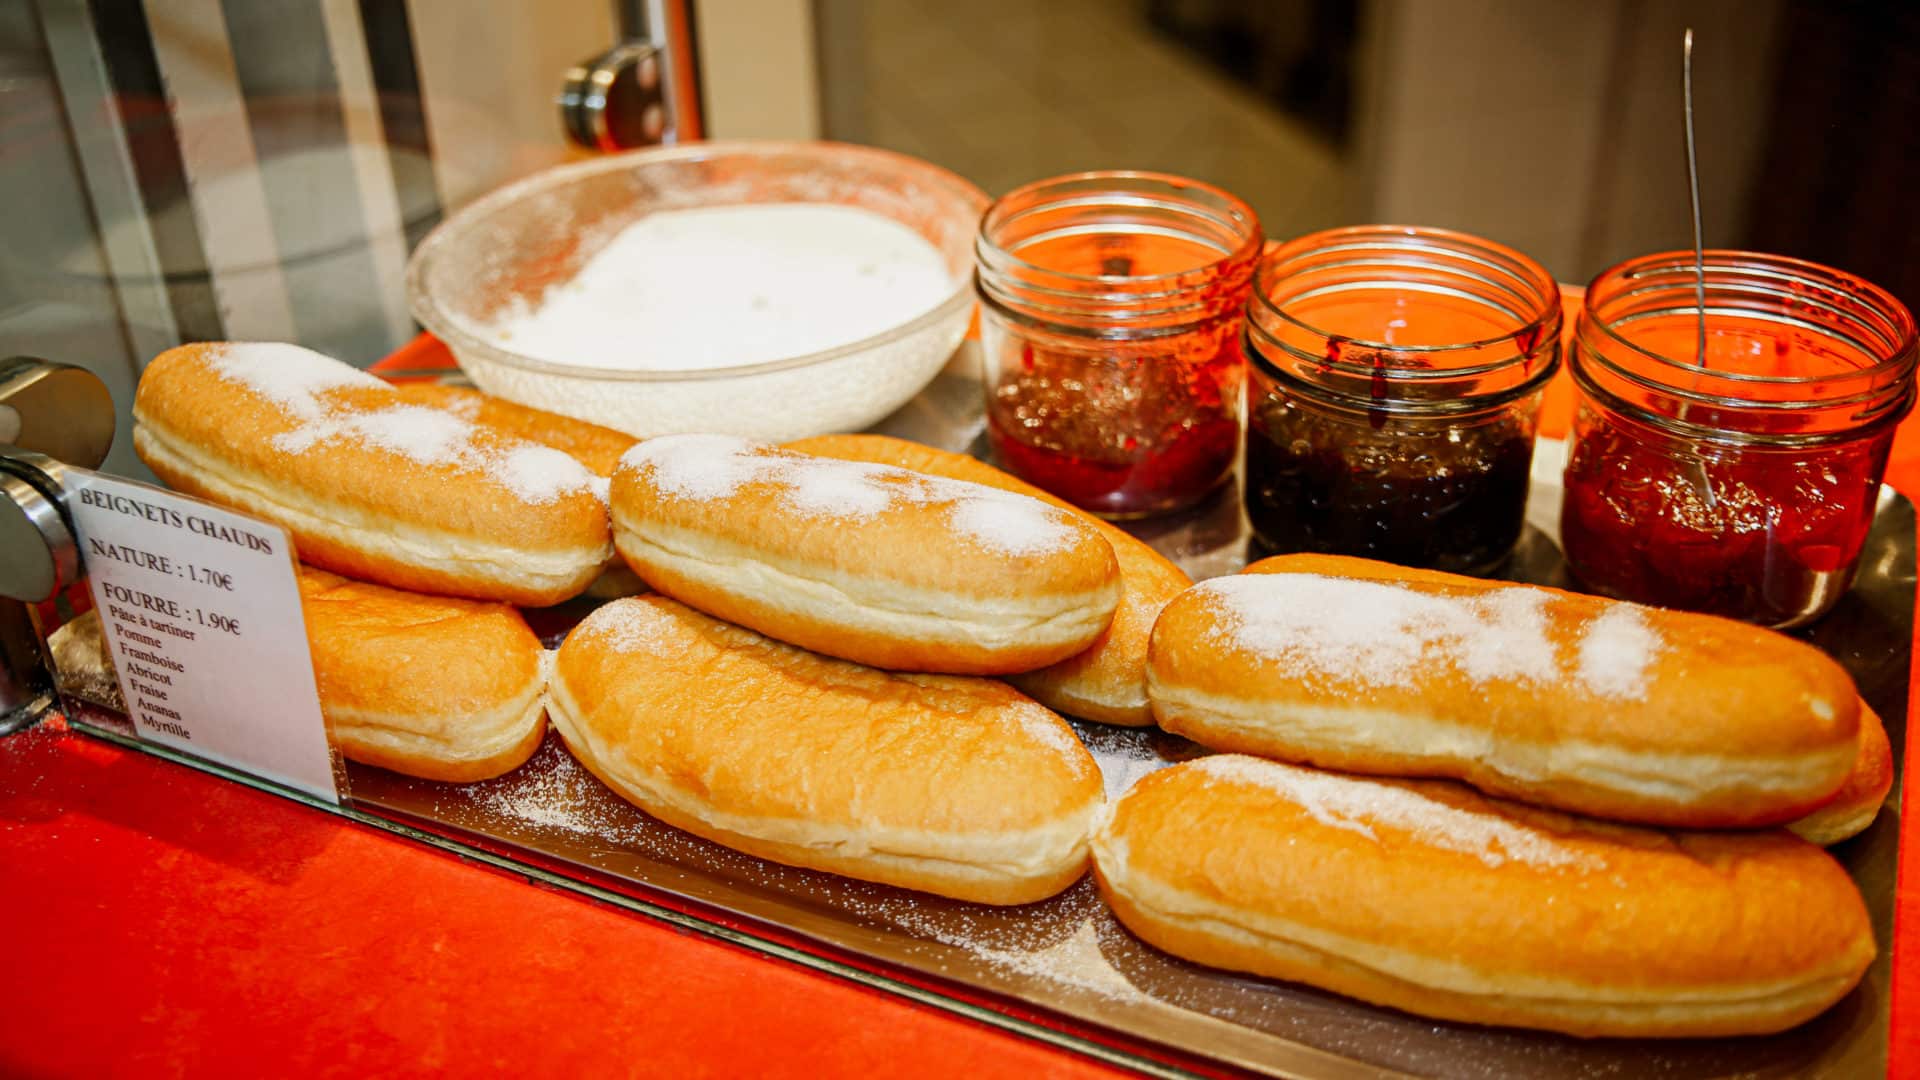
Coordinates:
x,y
618,100
55,417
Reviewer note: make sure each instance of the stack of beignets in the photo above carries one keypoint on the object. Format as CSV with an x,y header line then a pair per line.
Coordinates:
x,y
368,484
957,786
1107,681
1852,809
915,776
839,727
598,448
1429,896
960,786
429,496
1560,699
869,563
431,686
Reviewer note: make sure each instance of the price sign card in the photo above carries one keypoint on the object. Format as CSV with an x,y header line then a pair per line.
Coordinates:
x,y
202,615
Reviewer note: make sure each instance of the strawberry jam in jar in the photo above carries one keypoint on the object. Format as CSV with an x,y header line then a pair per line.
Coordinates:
x,y
1396,380
1738,479
1110,318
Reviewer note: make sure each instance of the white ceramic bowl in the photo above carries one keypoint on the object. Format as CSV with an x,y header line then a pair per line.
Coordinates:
x,y
507,248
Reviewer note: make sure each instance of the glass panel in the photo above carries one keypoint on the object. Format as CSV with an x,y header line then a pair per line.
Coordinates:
x,y
1068,954
212,170
207,171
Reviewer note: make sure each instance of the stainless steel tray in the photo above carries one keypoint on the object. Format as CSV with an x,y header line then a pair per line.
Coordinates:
x,y
1067,958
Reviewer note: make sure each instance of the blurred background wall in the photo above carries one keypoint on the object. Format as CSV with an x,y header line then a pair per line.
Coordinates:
x,y
1551,125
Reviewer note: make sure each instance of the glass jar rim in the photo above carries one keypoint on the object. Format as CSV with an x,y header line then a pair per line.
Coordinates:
x,y
1462,405
1586,384
1782,267
1236,209
1358,236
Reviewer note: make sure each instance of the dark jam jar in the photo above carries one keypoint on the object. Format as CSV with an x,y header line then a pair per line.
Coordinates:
x,y
1741,480
1110,320
1395,384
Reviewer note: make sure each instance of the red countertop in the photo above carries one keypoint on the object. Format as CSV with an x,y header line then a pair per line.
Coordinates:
x,y
163,920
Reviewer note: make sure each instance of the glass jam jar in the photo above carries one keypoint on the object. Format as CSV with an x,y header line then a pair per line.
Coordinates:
x,y
1740,481
1110,320
1396,382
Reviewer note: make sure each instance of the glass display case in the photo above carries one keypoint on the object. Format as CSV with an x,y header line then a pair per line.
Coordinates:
x,y
265,173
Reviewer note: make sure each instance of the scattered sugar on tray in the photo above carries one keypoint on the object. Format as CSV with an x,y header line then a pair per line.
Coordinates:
x,y
718,466
1358,805
1616,652
553,792
287,375
1123,754
1382,634
1062,940
1074,961
1070,940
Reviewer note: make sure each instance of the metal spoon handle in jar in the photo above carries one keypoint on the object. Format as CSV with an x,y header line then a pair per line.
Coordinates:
x,y
1702,481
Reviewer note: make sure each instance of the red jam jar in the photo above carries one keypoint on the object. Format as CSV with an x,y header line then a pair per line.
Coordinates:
x,y
1741,481
1396,381
1110,322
